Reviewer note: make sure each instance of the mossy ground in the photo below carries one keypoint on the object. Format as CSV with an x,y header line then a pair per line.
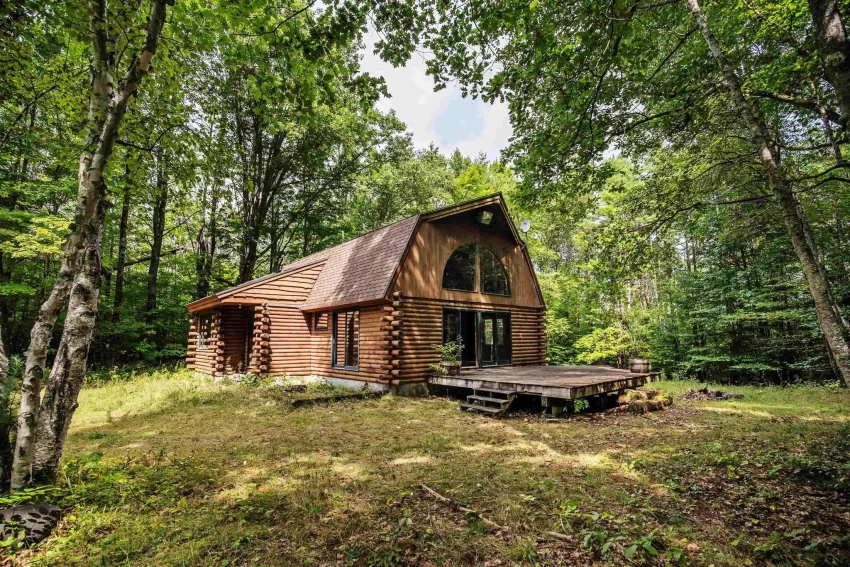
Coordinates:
x,y
176,470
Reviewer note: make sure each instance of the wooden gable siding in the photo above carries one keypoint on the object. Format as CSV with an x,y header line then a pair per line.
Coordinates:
x,y
421,273
373,354
423,320
291,288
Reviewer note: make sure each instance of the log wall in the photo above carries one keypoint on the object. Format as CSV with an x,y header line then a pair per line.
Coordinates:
x,y
192,343
374,355
258,363
233,332
205,358
423,319
289,341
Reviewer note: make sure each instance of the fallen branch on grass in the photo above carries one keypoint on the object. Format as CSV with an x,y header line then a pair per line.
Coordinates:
x,y
452,504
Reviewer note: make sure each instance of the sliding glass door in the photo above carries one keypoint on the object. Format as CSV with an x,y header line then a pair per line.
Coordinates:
x,y
494,338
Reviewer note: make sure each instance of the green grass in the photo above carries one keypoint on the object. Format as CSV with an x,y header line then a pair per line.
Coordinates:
x,y
177,470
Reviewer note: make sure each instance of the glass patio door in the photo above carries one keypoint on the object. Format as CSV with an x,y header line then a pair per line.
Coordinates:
x,y
494,339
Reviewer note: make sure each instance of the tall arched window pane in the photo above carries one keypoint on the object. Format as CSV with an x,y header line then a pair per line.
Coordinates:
x,y
493,276
460,269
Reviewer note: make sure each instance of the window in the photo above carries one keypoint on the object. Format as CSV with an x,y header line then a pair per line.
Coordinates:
x,y
346,340
493,277
460,271
204,329
488,332
321,321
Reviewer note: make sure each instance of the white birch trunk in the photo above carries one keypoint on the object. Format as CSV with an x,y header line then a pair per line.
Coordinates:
x,y
43,428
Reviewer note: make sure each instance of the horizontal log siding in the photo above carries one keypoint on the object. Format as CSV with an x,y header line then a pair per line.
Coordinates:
x,y
373,355
289,341
292,288
423,328
205,357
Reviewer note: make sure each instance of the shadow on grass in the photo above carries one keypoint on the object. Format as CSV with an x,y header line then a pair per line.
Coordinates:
x,y
216,475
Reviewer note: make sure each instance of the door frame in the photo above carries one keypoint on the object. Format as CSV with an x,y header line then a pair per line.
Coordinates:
x,y
480,338
474,330
479,334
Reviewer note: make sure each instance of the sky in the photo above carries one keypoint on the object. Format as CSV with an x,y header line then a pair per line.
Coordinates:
x,y
445,117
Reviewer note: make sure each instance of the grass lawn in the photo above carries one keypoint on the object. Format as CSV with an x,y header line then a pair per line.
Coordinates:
x,y
176,470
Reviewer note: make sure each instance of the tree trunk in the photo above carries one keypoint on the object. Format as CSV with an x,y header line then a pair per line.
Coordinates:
x,y
41,439
69,367
834,48
831,323
160,205
118,300
42,331
5,419
248,256
205,244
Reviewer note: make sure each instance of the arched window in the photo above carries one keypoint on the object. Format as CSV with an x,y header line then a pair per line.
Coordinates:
x,y
493,276
460,271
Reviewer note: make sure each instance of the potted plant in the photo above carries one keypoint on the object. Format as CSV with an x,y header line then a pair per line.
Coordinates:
x,y
450,356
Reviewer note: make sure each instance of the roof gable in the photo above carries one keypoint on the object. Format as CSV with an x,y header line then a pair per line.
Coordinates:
x,y
363,269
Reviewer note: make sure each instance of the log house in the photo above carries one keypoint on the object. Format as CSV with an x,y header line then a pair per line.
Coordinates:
x,y
371,310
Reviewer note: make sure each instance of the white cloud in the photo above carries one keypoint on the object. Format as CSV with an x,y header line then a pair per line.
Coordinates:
x,y
444,117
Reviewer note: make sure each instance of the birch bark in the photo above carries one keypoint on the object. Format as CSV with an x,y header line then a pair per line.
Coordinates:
x,y
42,427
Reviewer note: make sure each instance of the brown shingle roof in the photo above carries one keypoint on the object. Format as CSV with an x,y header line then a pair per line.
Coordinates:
x,y
361,269
356,271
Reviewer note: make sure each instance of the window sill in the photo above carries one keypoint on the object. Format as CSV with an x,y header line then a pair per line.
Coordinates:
x,y
481,292
354,368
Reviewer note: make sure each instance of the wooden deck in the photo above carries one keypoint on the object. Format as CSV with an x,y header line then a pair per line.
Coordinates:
x,y
560,382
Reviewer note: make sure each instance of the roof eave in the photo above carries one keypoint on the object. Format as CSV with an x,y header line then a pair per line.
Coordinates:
x,y
204,303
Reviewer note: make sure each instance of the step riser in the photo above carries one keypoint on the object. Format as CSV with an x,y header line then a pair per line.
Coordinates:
x,y
486,400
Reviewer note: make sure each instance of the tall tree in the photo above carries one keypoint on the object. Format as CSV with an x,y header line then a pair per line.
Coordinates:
x,y
160,203
834,49
831,321
42,430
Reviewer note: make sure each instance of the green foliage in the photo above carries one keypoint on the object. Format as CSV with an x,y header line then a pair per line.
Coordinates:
x,y
649,233
450,351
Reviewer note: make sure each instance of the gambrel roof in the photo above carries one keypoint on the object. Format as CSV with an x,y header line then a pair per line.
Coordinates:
x,y
361,270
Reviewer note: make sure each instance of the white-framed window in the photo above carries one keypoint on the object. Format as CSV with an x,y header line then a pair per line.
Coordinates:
x,y
204,330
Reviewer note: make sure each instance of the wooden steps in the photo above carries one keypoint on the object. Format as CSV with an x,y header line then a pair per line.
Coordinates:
x,y
496,403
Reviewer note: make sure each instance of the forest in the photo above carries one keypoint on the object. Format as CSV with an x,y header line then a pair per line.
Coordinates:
x,y
256,141
680,162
